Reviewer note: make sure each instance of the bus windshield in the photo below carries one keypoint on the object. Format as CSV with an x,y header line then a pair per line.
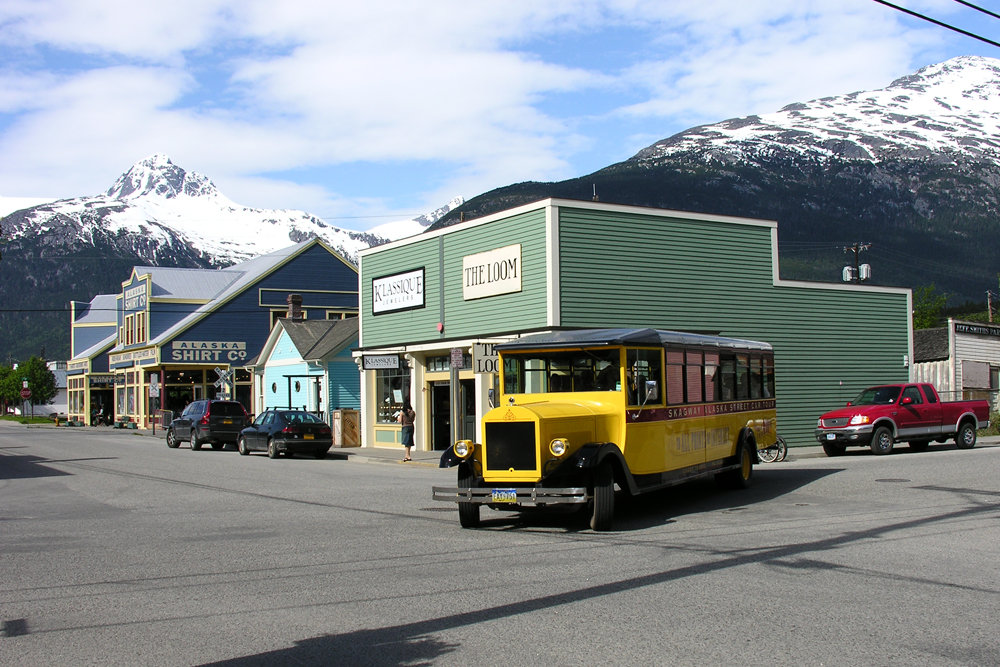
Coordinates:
x,y
561,371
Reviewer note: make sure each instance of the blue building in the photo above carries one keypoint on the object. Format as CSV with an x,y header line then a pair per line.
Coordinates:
x,y
308,364
186,334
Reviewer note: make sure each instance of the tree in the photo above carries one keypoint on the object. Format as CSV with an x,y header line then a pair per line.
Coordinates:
x,y
41,381
927,306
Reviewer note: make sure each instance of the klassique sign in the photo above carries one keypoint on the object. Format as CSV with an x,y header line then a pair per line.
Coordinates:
x,y
492,272
400,291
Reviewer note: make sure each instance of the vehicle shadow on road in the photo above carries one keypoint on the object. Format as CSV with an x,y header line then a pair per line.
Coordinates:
x,y
16,466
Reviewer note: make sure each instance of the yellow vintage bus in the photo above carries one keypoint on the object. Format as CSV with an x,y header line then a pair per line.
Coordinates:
x,y
584,412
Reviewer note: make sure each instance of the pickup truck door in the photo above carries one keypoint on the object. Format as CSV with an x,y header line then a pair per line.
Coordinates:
x,y
917,418
933,408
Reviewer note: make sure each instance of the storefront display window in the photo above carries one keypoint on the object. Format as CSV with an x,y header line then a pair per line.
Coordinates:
x,y
392,389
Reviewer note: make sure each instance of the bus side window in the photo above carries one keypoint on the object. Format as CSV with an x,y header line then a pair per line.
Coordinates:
x,y
644,366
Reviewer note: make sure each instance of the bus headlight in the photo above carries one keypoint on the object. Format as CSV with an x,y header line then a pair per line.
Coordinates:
x,y
463,449
558,446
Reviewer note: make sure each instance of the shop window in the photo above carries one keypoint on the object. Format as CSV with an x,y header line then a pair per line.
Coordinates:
x,y
392,389
443,363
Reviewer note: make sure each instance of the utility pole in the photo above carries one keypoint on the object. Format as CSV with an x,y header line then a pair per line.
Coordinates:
x,y
859,272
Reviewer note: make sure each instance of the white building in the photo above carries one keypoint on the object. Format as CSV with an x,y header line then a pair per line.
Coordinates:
x,y
962,360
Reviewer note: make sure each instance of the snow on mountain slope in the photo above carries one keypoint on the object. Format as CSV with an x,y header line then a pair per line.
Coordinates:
x,y
939,112
162,202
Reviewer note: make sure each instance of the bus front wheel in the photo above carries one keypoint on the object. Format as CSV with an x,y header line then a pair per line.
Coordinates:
x,y
468,513
603,501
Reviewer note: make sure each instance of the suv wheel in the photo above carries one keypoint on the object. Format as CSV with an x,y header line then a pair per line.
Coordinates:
x,y
172,441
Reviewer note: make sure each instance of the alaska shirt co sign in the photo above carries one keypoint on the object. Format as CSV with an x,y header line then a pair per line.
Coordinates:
x,y
208,350
400,291
492,272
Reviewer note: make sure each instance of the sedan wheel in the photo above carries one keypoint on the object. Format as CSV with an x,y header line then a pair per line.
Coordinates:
x,y
241,445
272,449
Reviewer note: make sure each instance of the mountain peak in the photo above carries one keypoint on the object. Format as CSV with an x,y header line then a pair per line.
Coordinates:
x,y
944,111
157,175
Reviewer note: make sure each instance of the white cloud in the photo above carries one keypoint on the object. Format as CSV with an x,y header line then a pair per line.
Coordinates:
x,y
240,90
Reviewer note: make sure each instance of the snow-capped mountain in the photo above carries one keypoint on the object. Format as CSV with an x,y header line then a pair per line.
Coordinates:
x,y
166,206
940,111
912,170
154,214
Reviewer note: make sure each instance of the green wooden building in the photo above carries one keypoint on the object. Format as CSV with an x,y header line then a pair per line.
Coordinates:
x,y
561,264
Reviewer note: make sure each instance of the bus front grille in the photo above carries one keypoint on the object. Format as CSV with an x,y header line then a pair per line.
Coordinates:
x,y
511,446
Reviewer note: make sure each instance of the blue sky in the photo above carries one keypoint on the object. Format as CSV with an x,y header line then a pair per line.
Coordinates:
x,y
366,114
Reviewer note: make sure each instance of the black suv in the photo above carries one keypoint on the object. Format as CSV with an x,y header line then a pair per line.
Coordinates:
x,y
215,422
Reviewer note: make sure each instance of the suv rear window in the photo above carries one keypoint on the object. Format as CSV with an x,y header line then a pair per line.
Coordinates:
x,y
227,409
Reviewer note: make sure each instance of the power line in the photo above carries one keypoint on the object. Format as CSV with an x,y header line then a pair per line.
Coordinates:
x,y
940,23
977,8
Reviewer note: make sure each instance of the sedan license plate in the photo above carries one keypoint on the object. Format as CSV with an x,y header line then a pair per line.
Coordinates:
x,y
504,495
308,436
831,436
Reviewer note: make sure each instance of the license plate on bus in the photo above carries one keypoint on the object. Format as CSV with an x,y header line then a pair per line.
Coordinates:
x,y
831,436
504,495
308,436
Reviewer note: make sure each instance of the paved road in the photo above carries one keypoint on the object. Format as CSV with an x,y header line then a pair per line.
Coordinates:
x,y
115,550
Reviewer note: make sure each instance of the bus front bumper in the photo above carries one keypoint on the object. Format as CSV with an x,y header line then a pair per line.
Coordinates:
x,y
500,497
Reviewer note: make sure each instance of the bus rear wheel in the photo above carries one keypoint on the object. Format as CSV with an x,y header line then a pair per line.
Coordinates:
x,y
602,509
739,477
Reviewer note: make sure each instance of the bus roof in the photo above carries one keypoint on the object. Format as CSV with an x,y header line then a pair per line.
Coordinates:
x,y
601,337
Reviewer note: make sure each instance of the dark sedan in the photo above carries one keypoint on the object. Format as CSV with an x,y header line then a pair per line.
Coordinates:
x,y
278,431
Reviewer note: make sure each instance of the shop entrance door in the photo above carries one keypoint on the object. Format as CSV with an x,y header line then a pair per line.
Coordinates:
x,y
441,413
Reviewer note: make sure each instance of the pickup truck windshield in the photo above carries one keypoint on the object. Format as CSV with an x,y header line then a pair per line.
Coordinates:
x,y
877,396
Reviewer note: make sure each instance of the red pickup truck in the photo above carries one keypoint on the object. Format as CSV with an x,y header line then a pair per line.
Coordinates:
x,y
883,415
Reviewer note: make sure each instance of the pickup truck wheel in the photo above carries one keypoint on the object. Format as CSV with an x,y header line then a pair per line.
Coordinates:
x,y
966,436
468,513
919,445
603,504
881,441
834,450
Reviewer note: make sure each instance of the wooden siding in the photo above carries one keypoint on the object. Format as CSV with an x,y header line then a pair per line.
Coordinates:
x,y
628,269
243,319
344,386
462,319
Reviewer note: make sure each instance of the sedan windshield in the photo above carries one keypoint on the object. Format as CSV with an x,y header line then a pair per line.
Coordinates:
x,y
877,396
